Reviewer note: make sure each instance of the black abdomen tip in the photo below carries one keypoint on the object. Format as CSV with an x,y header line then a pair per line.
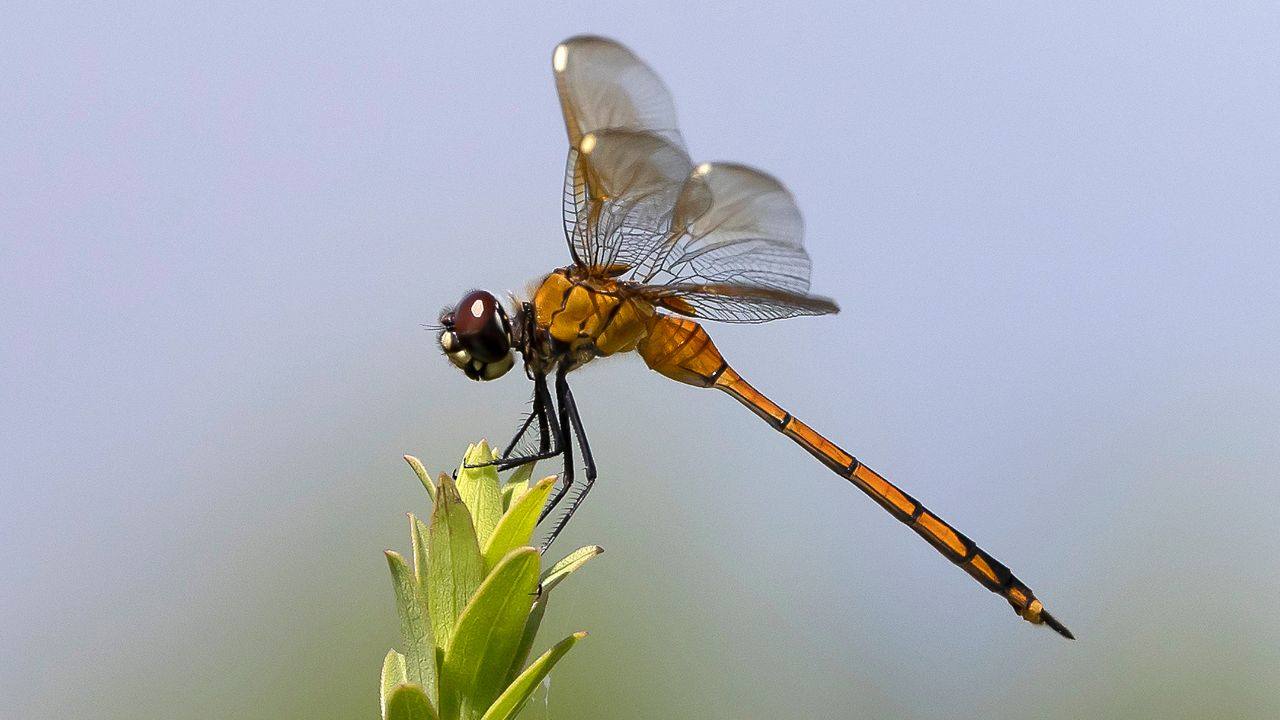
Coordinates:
x,y
1058,627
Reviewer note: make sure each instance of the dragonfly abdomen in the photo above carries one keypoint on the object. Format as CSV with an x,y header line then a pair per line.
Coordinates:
x,y
680,349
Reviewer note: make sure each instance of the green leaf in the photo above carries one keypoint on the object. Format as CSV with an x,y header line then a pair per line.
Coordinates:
x,y
454,565
418,536
517,524
517,484
550,579
409,702
512,700
568,564
480,490
531,625
488,633
422,474
415,627
393,674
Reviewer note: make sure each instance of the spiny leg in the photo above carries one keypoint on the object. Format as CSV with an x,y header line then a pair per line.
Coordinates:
x,y
549,444
524,427
541,403
570,408
566,445
544,430
506,462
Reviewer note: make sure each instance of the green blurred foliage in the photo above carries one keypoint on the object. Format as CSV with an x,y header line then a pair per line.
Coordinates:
x,y
468,619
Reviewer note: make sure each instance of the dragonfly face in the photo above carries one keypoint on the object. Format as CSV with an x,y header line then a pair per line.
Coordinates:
x,y
660,246
476,336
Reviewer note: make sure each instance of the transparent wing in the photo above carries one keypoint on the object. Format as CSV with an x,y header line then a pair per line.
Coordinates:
x,y
734,250
722,242
620,208
736,303
603,86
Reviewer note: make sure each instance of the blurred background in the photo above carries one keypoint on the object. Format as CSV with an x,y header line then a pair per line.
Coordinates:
x,y
1051,228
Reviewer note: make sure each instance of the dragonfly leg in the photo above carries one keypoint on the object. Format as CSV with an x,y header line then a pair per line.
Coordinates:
x,y
569,411
565,442
548,434
544,431
536,412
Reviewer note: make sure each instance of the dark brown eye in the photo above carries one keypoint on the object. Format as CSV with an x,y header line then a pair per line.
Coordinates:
x,y
481,326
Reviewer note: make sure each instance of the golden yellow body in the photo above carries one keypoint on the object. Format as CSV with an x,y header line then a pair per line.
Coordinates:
x,y
713,241
583,310
578,310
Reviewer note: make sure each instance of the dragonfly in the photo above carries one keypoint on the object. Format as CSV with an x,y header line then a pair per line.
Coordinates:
x,y
659,246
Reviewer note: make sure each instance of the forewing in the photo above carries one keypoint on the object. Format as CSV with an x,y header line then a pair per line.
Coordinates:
x,y
620,210
721,242
603,86
734,251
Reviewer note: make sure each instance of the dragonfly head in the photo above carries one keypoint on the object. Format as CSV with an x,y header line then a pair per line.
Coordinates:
x,y
476,336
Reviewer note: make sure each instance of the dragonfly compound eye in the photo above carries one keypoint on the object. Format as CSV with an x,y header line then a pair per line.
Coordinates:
x,y
479,338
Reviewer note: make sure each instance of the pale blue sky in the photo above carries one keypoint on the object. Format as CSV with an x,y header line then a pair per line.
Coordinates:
x,y
1051,228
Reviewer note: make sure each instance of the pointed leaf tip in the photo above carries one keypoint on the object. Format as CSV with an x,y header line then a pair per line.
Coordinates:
x,y
517,484
393,674
513,699
566,565
480,489
550,579
423,476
